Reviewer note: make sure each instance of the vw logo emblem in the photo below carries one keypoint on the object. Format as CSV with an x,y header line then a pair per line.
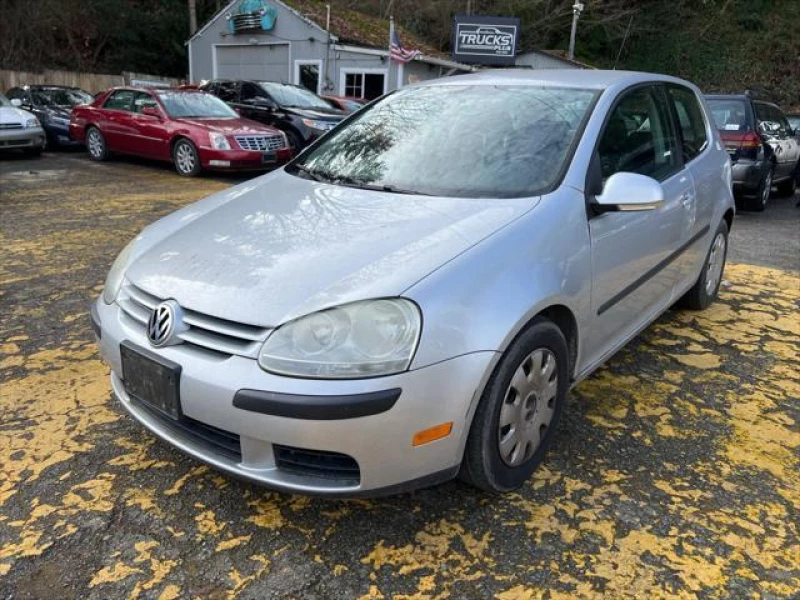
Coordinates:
x,y
163,323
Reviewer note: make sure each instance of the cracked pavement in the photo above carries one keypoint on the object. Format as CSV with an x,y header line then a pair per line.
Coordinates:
x,y
676,472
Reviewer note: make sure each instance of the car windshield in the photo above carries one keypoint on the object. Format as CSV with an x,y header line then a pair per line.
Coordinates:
x,y
4,101
60,96
459,141
294,96
183,105
729,114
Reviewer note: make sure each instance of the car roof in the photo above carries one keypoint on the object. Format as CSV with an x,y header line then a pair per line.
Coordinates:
x,y
596,79
138,88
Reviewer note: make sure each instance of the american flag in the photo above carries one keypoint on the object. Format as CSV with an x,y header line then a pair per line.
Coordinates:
x,y
399,53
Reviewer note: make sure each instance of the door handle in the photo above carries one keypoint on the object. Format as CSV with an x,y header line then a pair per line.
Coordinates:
x,y
687,199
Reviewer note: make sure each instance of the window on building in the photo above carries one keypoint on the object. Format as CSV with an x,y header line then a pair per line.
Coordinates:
x,y
364,85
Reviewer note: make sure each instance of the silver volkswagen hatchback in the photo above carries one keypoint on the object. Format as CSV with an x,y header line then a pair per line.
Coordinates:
x,y
413,296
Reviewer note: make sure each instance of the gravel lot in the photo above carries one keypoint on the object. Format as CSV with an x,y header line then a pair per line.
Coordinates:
x,y
676,472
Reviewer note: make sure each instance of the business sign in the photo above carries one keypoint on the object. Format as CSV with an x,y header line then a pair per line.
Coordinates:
x,y
252,14
485,40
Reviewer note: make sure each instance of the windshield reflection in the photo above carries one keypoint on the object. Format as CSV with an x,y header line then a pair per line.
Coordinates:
x,y
461,141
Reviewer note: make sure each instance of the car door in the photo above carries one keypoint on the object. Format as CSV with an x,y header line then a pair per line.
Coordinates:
x,y
695,137
115,124
633,270
150,133
789,141
255,103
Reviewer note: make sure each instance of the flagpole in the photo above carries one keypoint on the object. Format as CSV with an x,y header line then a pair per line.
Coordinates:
x,y
400,65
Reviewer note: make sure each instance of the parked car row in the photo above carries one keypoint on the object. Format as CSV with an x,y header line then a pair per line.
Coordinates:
x,y
763,145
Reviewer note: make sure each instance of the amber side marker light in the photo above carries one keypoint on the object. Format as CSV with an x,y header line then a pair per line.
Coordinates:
x,y
431,435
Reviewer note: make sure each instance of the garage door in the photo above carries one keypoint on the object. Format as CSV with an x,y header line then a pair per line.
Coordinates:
x,y
267,63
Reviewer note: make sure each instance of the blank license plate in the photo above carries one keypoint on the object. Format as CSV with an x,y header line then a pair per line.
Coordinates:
x,y
152,380
268,158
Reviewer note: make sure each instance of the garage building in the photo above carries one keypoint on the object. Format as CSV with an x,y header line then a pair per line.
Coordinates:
x,y
343,53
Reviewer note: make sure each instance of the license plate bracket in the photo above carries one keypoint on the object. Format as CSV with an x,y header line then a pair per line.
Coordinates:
x,y
151,380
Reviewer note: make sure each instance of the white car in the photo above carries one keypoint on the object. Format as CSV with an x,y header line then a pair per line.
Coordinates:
x,y
19,129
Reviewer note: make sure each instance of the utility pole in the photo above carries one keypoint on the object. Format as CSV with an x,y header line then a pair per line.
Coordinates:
x,y
469,7
192,17
577,8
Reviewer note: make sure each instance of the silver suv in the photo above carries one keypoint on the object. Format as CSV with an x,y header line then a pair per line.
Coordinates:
x,y
413,296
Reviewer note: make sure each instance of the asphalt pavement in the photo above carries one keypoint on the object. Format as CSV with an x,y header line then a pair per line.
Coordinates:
x,y
676,473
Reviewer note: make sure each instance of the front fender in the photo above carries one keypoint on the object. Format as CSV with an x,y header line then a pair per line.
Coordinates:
x,y
482,299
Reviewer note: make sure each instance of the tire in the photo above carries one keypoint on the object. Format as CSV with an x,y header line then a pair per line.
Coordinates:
x,y
706,288
186,158
518,413
96,144
759,202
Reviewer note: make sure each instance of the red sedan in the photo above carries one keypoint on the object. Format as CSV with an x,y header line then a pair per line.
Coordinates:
x,y
191,128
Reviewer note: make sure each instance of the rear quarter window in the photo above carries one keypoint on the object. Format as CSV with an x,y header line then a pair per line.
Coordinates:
x,y
691,120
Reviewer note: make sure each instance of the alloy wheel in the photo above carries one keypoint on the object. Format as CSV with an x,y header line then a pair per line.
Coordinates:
x,y
716,261
528,407
95,144
185,158
767,188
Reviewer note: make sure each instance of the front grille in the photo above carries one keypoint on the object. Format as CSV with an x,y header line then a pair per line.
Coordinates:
x,y
218,335
7,126
246,21
222,442
262,143
318,463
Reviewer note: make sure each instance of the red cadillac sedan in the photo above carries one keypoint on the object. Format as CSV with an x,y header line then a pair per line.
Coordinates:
x,y
191,128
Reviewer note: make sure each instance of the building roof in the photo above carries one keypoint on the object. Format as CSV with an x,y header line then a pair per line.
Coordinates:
x,y
558,55
355,27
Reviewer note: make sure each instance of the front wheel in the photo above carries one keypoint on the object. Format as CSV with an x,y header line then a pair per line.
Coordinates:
x,y
186,158
516,419
706,288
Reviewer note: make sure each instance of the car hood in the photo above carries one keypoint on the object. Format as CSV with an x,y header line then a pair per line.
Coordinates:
x,y
324,114
230,126
10,114
280,247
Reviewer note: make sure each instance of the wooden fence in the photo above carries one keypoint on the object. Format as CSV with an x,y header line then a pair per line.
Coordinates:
x,y
91,82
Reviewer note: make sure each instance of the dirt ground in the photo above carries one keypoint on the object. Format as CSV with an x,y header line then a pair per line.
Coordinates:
x,y
676,473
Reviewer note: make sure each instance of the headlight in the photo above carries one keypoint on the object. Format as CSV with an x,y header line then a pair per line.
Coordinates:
x,y
219,141
32,123
117,273
362,339
320,125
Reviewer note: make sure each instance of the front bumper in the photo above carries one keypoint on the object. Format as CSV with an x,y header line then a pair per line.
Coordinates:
x,y
60,134
241,160
22,138
378,440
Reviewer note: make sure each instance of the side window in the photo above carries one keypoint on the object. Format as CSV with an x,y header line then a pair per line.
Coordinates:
x,y
781,119
691,120
638,137
226,91
120,100
767,117
251,91
16,94
141,100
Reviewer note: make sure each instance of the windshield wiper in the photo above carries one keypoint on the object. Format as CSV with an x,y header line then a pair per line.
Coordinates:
x,y
362,185
315,175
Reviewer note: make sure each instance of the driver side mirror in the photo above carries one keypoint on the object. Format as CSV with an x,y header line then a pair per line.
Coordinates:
x,y
629,192
152,111
16,102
